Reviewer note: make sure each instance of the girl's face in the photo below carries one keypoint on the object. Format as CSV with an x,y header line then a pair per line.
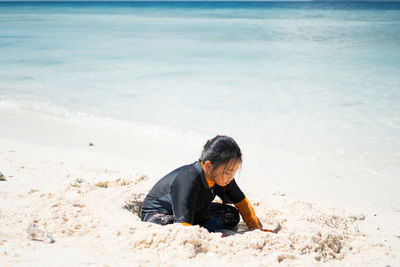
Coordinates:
x,y
225,173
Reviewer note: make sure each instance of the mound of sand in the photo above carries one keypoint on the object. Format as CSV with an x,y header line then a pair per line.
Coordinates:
x,y
105,213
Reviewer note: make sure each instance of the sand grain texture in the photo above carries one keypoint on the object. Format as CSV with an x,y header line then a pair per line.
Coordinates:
x,y
89,206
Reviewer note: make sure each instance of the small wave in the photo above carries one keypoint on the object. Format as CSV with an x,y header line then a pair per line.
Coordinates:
x,y
24,103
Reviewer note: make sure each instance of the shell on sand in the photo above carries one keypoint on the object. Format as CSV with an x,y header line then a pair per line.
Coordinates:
x,y
35,233
2,177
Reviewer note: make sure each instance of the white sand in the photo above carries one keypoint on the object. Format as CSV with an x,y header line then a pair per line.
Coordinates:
x,y
77,193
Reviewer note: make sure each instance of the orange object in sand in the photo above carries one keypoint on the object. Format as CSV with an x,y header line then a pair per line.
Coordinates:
x,y
268,230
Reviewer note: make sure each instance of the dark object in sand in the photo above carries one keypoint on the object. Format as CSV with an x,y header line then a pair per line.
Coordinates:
x,y
91,144
2,177
134,204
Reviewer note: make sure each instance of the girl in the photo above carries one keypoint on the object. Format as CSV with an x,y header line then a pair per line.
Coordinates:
x,y
185,195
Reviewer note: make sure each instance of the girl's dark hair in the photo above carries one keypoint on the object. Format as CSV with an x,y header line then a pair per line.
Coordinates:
x,y
219,150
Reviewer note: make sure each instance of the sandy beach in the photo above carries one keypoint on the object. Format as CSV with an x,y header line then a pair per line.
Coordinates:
x,y
71,192
99,100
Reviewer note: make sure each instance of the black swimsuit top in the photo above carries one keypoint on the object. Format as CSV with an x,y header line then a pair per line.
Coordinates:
x,y
185,194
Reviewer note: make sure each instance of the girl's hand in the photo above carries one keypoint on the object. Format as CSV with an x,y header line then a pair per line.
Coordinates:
x,y
276,230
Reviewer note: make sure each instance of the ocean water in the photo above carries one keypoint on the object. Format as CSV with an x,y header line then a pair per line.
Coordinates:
x,y
315,85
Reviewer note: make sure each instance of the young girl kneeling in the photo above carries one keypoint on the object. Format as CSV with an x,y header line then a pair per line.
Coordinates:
x,y
185,195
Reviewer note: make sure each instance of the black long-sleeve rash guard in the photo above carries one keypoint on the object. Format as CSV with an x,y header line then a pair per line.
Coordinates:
x,y
185,194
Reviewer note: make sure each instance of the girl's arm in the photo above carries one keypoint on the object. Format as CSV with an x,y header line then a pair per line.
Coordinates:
x,y
248,214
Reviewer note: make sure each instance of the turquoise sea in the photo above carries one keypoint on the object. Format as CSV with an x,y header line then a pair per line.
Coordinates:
x,y
313,84
208,66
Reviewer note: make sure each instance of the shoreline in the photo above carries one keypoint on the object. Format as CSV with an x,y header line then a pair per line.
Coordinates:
x,y
53,178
